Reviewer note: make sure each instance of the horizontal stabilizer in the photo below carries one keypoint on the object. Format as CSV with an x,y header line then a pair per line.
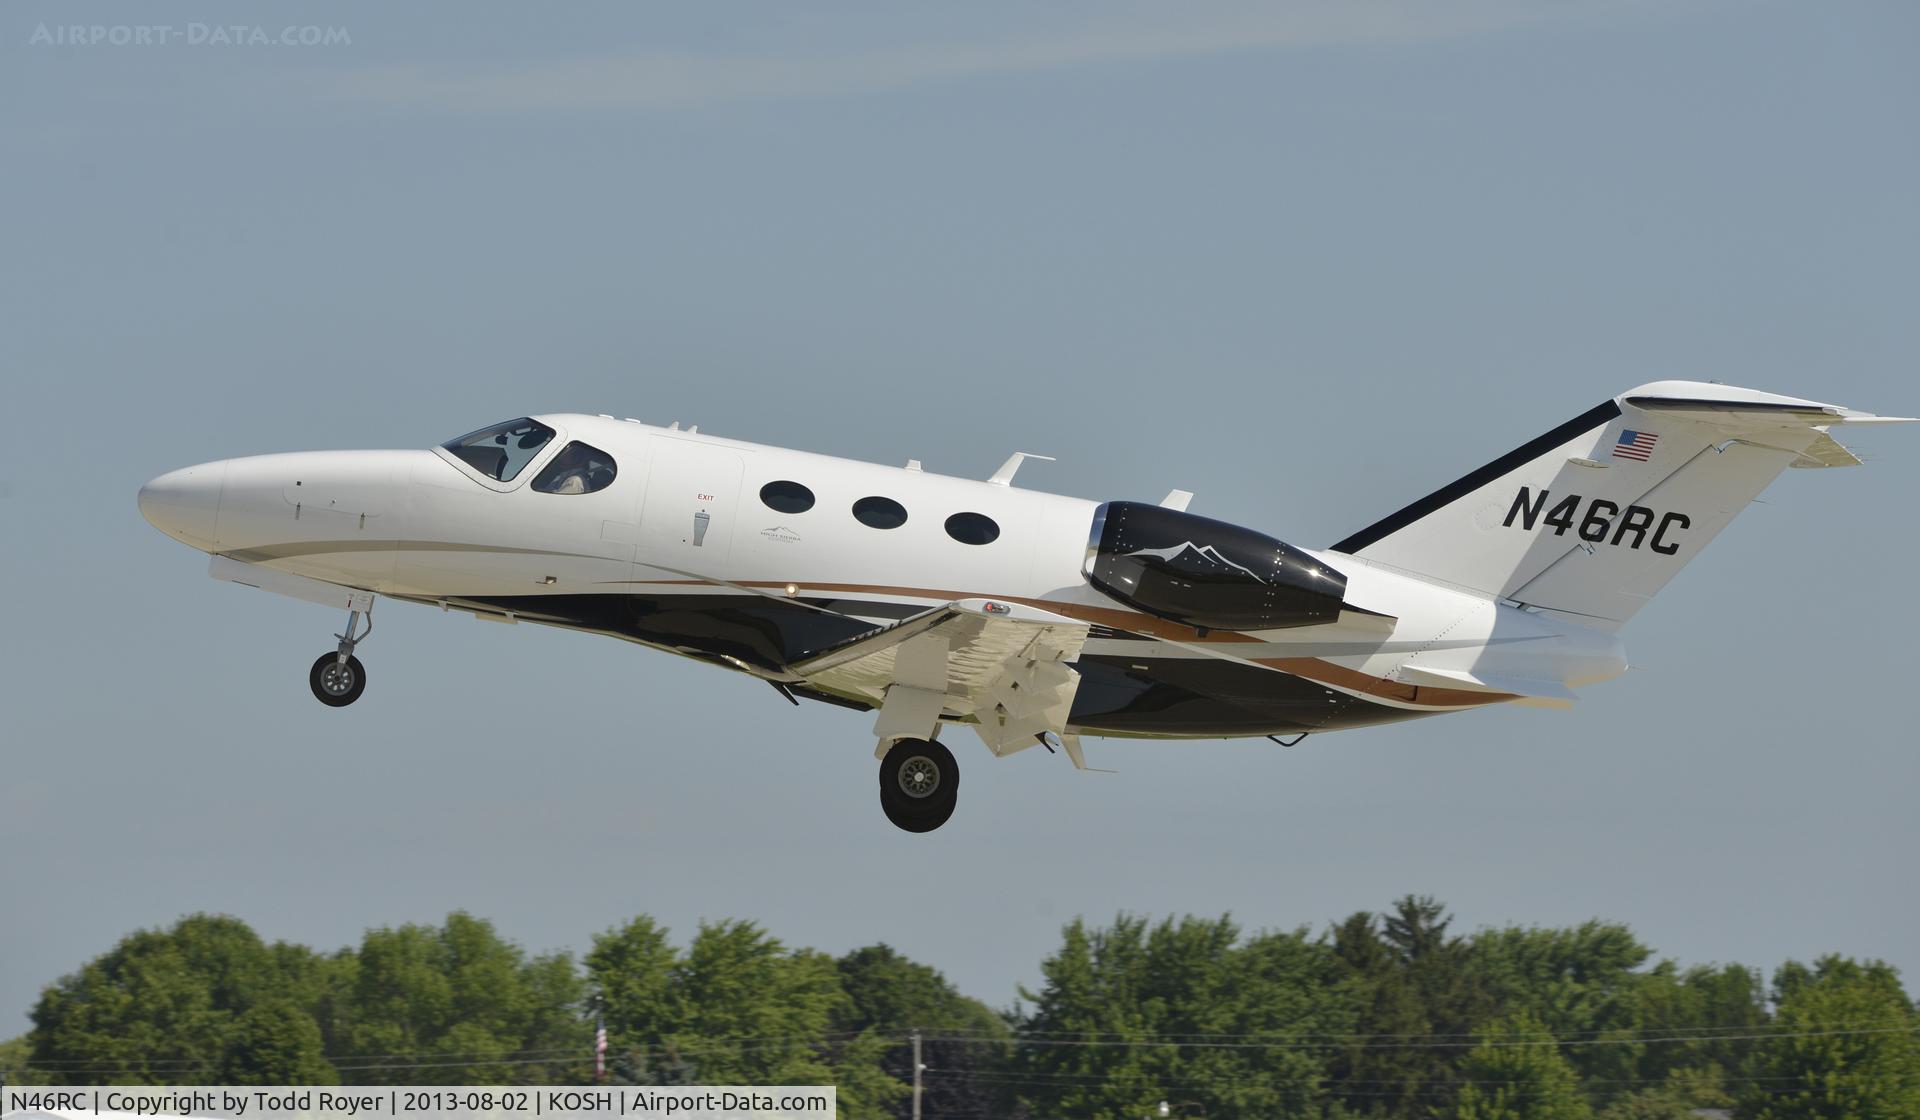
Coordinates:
x,y
1745,410
1552,694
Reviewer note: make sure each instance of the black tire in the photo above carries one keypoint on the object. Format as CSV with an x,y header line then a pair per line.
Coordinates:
x,y
919,784
924,818
337,685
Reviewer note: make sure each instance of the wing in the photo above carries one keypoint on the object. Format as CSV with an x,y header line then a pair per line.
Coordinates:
x,y
1004,667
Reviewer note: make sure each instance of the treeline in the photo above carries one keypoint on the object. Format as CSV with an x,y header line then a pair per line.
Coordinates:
x,y
1388,1015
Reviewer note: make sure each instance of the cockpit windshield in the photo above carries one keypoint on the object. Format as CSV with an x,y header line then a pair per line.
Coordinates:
x,y
503,450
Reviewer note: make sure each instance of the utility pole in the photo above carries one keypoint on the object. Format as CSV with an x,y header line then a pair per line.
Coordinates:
x,y
916,1074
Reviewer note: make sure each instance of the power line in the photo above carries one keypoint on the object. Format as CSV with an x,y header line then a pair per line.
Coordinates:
x,y
1244,1041
1021,1033
1326,1081
1465,1044
471,1057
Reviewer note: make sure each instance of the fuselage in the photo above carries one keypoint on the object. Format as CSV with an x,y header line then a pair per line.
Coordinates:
x,y
752,556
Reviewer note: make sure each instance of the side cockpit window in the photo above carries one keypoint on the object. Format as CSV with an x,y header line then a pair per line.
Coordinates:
x,y
503,450
578,469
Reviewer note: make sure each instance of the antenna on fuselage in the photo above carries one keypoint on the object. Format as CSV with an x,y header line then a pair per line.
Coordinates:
x,y
1004,476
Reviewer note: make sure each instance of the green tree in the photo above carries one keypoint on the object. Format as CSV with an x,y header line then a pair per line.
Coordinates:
x,y
1678,1098
964,1041
1582,983
1703,1002
1089,995
1413,982
14,1055
276,1042
631,970
455,1004
1847,1046
167,1007
749,1011
1518,1073
737,1007
1133,1014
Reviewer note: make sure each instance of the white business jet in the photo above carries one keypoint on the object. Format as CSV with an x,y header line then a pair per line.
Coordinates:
x,y
1030,618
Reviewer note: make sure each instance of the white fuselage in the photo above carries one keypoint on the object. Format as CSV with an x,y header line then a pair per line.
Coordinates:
x,y
680,551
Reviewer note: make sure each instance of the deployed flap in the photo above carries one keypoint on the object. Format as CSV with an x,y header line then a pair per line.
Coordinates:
x,y
1006,668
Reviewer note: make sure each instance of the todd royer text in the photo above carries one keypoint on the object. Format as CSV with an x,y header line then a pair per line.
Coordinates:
x,y
345,1103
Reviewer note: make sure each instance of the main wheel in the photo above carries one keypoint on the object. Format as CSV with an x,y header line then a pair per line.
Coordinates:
x,y
919,784
334,684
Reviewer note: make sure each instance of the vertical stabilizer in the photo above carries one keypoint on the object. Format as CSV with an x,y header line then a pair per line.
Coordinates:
x,y
1589,520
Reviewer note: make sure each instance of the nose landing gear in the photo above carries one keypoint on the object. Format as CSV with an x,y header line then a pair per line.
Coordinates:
x,y
338,678
919,783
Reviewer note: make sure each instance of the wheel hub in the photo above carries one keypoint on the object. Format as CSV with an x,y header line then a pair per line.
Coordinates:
x,y
919,776
337,679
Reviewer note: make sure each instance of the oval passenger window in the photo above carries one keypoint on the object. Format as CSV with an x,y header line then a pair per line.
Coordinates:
x,y
880,513
972,528
785,496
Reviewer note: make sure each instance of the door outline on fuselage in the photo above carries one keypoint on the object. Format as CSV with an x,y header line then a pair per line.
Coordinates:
x,y
690,509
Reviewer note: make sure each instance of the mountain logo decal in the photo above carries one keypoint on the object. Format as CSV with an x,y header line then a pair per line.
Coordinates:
x,y
1205,552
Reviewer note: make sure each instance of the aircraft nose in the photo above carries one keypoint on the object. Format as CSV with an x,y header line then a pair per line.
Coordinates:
x,y
184,503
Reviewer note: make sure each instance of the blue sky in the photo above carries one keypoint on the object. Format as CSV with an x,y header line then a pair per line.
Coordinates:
x,y
1307,261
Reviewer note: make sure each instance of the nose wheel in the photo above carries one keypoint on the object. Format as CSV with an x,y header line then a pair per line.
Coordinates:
x,y
919,783
338,678
337,683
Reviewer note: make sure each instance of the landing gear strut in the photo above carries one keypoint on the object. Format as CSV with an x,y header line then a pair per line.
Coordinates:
x,y
919,782
338,678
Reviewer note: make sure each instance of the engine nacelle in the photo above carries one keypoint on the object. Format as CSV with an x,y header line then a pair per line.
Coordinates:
x,y
1207,574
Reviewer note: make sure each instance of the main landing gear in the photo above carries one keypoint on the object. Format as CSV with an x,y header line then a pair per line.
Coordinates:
x,y
919,782
338,678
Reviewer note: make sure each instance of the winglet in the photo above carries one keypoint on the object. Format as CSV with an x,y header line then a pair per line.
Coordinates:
x,y
1177,499
1004,476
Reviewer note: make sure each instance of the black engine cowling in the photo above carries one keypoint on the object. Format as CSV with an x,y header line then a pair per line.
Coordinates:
x,y
1207,574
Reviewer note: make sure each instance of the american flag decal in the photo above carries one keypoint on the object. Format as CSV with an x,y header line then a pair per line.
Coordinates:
x,y
1635,445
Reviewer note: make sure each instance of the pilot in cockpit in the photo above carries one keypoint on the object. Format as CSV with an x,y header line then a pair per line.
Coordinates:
x,y
577,469
567,474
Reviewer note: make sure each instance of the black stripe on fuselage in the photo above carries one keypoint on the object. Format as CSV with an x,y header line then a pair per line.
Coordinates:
x,y
1121,694
1598,416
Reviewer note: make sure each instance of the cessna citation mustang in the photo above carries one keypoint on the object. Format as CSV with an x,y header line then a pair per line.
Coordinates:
x,y
1031,618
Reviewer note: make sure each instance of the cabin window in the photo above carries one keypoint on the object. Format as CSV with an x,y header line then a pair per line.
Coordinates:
x,y
880,513
786,496
578,469
972,528
502,451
